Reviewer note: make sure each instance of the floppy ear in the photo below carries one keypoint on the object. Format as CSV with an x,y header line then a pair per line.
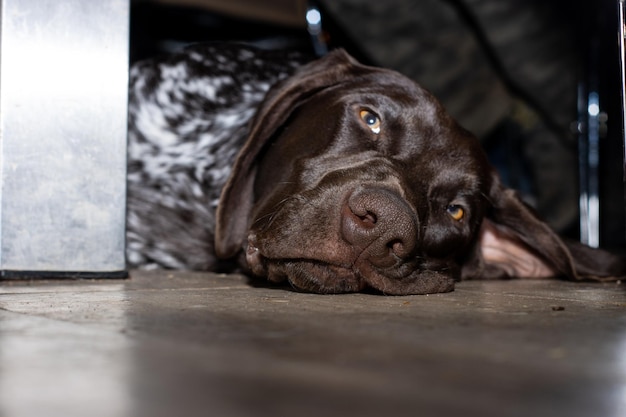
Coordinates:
x,y
513,242
237,196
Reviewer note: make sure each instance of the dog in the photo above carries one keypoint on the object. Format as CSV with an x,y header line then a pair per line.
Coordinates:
x,y
329,175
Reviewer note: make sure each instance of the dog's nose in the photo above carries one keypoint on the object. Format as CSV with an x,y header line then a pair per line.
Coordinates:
x,y
381,224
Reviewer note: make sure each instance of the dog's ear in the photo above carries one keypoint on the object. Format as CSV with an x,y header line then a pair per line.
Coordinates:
x,y
513,242
237,197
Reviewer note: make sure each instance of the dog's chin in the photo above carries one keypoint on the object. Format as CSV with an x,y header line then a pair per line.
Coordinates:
x,y
315,276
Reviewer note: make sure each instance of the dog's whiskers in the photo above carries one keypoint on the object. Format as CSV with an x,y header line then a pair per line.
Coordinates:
x,y
270,217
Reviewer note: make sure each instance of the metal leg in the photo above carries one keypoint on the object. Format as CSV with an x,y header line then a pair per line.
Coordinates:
x,y
589,147
63,93
622,57
591,119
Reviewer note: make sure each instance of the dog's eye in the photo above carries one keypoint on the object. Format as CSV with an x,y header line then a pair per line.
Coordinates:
x,y
456,212
371,120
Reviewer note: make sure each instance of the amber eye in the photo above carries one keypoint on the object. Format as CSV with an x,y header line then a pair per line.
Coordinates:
x,y
371,120
456,212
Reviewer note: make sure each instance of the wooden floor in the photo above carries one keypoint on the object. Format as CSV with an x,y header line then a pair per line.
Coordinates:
x,y
191,344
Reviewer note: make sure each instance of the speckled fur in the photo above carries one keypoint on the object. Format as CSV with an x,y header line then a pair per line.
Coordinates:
x,y
188,117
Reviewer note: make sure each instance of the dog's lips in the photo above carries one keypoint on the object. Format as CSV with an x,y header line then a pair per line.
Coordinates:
x,y
258,259
307,274
318,277
255,260
322,276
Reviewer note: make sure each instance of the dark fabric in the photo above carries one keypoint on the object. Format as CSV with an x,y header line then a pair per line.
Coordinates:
x,y
491,63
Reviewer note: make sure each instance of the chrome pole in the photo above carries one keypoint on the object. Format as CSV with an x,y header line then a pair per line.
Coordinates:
x,y
622,57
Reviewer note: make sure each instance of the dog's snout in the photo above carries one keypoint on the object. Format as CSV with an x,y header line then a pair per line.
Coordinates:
x,y
381,224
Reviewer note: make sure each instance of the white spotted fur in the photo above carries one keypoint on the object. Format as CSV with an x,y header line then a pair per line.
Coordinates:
x,y
188,117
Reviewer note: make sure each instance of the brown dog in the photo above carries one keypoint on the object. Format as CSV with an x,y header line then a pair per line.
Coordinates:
x,y
356,177
351,177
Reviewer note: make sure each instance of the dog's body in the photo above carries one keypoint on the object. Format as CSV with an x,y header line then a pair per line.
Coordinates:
x,y
348,177
188,117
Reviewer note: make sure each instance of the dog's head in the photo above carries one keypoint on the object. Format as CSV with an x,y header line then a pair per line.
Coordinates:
x,y
356,177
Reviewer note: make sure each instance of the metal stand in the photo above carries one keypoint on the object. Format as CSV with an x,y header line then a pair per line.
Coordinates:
x,y
63,93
